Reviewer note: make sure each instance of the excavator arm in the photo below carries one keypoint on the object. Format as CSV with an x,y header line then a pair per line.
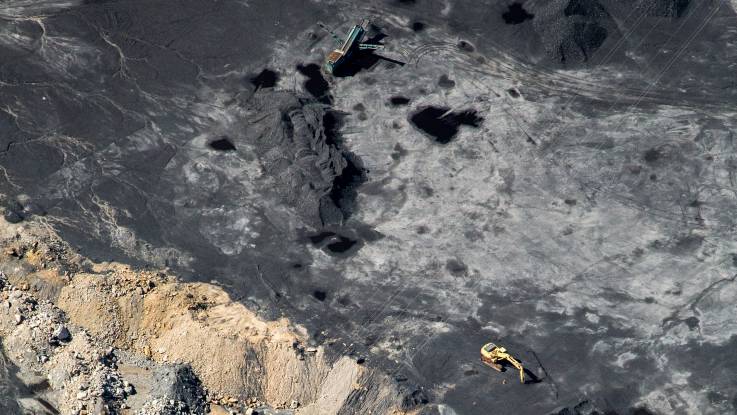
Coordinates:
x,y
364,46
492,355
519,367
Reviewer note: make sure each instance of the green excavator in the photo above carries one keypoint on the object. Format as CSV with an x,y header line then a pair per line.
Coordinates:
x,y
352,42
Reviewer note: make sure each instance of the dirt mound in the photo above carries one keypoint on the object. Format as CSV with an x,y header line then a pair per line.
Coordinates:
x,y
573,30
296,142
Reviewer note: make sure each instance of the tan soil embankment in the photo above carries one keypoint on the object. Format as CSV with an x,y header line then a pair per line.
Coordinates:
x,y
237,356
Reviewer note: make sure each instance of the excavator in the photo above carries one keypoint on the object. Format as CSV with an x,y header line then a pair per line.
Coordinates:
x,y
493,356
347,45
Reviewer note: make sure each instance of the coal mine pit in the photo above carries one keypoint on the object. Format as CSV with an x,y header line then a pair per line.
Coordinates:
x,y
399,101
554,177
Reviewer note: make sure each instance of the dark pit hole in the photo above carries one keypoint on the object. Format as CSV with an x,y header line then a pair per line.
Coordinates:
x,y
513,93
443,125
297,265
360,360
342,244
456,267
316,85
332,122
15,212
399,101
692,323
320,295
516,14
222,144
445,82
652,155
680,7
345,186
465,46
418,26
320,237
570,202
266,79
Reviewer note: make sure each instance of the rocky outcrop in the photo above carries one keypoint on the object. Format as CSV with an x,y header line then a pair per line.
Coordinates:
x,y
121,338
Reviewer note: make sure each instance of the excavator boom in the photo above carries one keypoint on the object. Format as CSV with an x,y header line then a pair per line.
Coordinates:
x,y
519,367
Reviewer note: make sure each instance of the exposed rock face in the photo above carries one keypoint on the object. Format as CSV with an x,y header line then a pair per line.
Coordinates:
x,y
296,145
109,336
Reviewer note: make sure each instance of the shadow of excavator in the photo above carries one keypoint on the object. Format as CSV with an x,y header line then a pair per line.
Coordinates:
x,y
364,59
530,377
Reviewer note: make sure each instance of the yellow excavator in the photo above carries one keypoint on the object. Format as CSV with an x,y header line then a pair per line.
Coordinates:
x,y
492,356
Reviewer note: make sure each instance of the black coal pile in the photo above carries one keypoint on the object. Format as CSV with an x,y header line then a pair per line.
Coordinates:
x,y
296,143
573,30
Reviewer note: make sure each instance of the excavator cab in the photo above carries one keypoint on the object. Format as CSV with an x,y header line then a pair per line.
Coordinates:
x,y
493,356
